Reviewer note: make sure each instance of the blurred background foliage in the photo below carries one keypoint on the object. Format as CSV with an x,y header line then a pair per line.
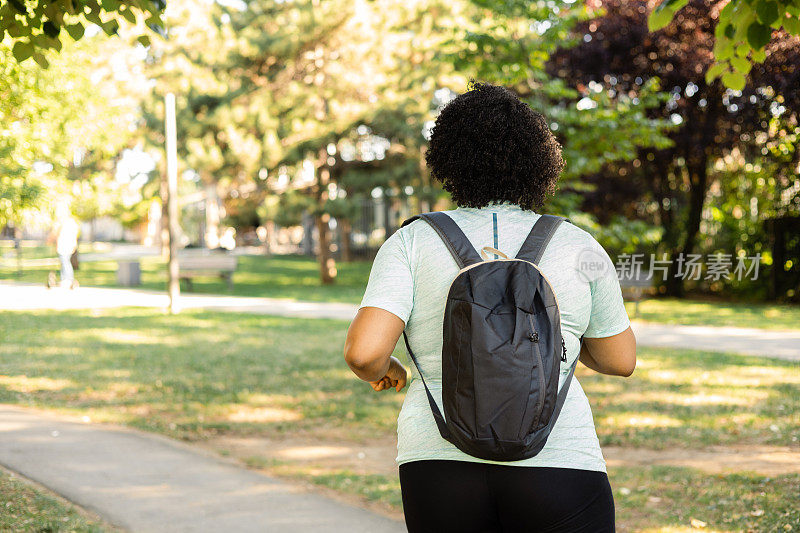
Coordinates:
x,y
296,113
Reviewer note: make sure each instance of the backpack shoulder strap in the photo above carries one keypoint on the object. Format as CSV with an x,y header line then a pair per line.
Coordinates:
x,y
441,423
534,244
458,244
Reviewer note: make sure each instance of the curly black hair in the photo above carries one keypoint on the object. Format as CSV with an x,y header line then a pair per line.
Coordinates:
x,y
488,146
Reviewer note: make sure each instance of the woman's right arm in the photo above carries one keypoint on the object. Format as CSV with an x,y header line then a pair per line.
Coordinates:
x,y
615,355
608,345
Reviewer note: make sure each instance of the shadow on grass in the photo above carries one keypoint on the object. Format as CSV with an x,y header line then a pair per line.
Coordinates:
x,y
202,373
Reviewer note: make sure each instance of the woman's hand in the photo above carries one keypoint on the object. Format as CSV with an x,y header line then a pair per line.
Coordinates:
x,y
396,377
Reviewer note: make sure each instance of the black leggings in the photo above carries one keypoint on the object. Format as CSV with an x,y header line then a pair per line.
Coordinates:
x,y
464,497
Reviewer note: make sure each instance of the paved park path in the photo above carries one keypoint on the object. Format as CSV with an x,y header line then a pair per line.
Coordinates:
x,y
19,296
148,483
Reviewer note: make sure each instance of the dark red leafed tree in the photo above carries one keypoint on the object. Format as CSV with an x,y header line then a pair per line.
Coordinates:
x,y
669,186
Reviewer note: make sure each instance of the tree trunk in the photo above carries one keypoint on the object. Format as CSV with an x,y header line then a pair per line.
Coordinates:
x,y
697,197
346,231
696,157
164,237
269,231
327,265
698,188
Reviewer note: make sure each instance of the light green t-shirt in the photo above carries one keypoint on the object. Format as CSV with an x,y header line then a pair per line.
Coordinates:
x,y
410,278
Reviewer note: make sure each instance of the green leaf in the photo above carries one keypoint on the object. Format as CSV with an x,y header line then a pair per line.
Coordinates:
x,y
758,56
715,70
22,50
110,27
792,25
723,49
730,31
41,41
110,5
75,30
663,13
734,80
129,16
94,16
741,64
16,30
659,19
767,11
144,40
725,14
671,5
41,60
742,20
758,35
743,49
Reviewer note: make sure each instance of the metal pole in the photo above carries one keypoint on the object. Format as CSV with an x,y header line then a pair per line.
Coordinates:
x,y
172,203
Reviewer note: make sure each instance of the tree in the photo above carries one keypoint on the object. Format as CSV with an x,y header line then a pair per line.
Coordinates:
x,y
34,26
61,125
744,29
670,185
595,127
319,70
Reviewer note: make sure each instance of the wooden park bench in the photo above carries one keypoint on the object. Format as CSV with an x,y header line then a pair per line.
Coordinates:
x,y
193,265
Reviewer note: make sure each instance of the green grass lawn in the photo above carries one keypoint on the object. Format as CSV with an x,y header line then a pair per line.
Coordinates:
x,y
198,375
292,277
717,313
297,278
8,254
24,507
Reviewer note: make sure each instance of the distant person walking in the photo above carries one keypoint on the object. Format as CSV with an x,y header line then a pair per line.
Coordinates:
x,y
66,236
499,161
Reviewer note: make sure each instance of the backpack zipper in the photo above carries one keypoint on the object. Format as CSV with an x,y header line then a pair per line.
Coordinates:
x,y
534,337
479,263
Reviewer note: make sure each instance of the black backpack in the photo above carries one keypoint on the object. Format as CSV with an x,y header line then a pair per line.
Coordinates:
x,y
502,347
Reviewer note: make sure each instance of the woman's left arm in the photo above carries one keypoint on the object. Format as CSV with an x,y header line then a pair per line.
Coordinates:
x,y
371,339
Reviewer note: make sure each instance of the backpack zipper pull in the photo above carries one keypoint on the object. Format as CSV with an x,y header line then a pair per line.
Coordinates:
x,y
532,336
563,350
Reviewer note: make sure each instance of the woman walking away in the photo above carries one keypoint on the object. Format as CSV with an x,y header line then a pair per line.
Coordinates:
x,y
495,434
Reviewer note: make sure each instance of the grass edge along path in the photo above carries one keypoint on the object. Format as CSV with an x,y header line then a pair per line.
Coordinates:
x,y
27,506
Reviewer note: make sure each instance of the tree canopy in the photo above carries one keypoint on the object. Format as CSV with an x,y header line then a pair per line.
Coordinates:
x,y
34,26
743,31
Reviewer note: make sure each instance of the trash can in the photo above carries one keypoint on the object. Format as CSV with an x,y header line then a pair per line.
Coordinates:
x,y
129,273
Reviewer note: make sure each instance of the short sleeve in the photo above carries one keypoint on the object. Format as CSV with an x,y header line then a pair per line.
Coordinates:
x,y
608,316
391,284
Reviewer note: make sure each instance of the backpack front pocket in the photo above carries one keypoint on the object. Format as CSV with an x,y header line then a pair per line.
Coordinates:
x,y
497,366
534,402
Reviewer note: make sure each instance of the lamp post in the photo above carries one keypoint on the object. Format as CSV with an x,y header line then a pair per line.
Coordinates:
x,y
172,202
